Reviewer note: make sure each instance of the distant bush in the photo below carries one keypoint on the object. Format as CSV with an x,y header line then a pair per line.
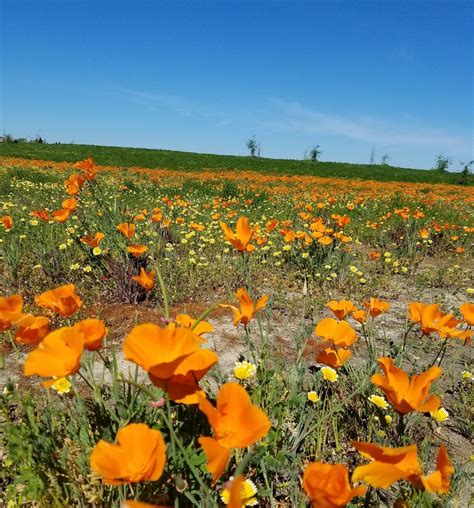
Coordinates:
x,y
465,172
315,153
9,138
442,163
253,147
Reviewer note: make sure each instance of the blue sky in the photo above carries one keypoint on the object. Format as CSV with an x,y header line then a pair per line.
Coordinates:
x,y
203,76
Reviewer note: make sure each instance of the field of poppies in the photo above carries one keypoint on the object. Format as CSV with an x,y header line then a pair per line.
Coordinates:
x,y
233,338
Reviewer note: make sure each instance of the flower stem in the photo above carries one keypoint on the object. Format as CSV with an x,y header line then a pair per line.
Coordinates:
x,y
163,293
204,315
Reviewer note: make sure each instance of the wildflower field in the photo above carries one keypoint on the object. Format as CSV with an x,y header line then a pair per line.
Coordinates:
x,y
174,337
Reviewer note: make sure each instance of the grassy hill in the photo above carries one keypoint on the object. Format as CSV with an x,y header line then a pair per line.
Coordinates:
x,y
151,158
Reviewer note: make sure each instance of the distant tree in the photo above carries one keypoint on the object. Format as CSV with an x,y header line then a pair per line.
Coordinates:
x,y
442,163
465,172
385,159
315,154
8,138
253,147
372,156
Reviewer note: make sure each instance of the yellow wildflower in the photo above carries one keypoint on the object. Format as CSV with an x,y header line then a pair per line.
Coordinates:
x,y
61,385
329,374
440,415
244,370
378,401
249,491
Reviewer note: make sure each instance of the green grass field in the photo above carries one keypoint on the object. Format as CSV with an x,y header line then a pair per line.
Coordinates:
x,y
148,158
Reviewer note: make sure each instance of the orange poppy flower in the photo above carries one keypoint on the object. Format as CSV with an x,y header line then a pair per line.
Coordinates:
x,y
271,225
339,333
390,465
325,240
137,250
424,234
376,307
430,318
341,308
467,311
70,204
7,222
188,322
449,331
61,215
93,241
139,455
32,329
387,466
145,279
374,255
127,230
12,303
157,215
405,394
424,314
88,168
63,300
236,423
172,357
343,221
10,311
288,235
360,316
248,308
197,227
243,234
57,355
129,503
41,214
334,358
92,331
328,486
73,184
440,480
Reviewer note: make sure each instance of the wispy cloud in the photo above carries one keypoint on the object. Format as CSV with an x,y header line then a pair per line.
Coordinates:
x,y
288,115
154,101
277,114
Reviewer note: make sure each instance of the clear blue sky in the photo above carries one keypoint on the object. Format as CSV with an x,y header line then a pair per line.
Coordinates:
x,y
396,76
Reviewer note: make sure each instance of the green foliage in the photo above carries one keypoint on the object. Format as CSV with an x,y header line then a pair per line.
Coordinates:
x,y
187,161
252,146
442,163
315,153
